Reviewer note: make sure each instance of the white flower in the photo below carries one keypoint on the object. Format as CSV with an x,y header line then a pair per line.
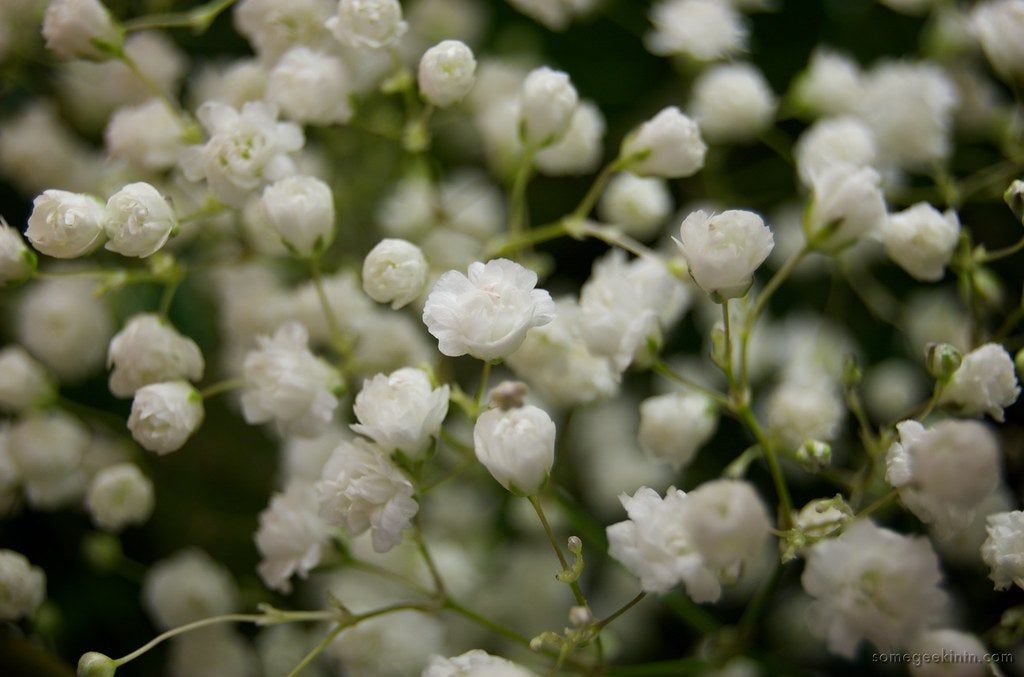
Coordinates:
x,y
872,583
65,225
64,325
311,87
921,239
475,663
487,313
186,587
148,136
996,25
395,272
961,654
46,447
22,586
138,221
556,361
910,108
547,102
732,102
705,30
368,23
447,72
835,141
516,446
805,408
80,29
300,209
164,415
728,523
400,411
579,150
1003,550
656,546
639,205
17,261
945,472
24,383
149,350
246,149
398,643
362,489
830,85
723,250
674,426
287,384
668,145
273,27
118,496
847,205
291,536
984,383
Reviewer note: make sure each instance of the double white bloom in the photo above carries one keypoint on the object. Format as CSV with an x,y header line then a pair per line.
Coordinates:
x,y
984,383
668,145
66,225
291,536
1003,550
847,204
395,272
300,210
517,446
149,350
164,415
401,411
674,426
723,250
475,663
368,24
921,239
139,221
311,87
486,313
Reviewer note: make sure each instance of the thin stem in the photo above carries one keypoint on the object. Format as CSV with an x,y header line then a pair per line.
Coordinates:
x,y
435,573
776,281
149,83
485,376
318,649
221,387
338,338
517,198
198,19
228,618
997,254
879,503
596,189
485,622
616,239
600,625
167,297
781,489
660,367
727,356
531,237
576,591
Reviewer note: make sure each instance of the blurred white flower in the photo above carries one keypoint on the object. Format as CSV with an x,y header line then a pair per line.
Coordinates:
x,y
273,27
149,136
962,654
547,102
996,25
984,383
81,29
580,148
517,446
369,24
728,524
830,85
921,239
24,383
475,663
186,587
149,350
1003,550
291,537
17,261
119,495
704,30
732,102
22,586
674,426
639,205
311,87
164,415
802,409
844,140
401,411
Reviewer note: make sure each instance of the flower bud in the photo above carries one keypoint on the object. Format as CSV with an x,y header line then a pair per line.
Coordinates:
x,y
164,415
81,29
95,664
942,359
139,221
300,209
580,616
547,103
1014,198
447,73
65,225
847,204
395,272
17,261
369,24
516,446
814,454
638,205
921,240
668,145
508,394
723,250
401,411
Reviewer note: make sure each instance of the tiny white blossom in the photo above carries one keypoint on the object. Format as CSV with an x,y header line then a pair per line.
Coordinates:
x,y
17,261
732,102
22,586
1003,550
362,489
138,221
723,250
486,313
447,72
273,27
80,29
830,85
945,472
802,409
66,225
872,583
246,149
579,150
996,25
728,523
369,24
47,448
149,350
401,411
668,145
300,209
311,87
674,426
292,537
844,140
639,205
186,587
984,383
921,239
287,384
547,102
847,204
395,272
24,383
148,136
119,495
516,446
475,663
164,415
704,30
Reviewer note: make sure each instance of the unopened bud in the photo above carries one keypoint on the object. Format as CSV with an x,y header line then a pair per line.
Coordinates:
x,y
1019,362
942,360
814,453
95,664
1014,197
580,616
509,394
987,286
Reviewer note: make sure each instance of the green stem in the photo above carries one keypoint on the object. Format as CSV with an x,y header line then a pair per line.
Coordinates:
x,y
614,238
435,574
770,455
481,389
517,198
879,503
539,509
600,625
997,254
198,19
533,236
727,356
338,338
596,189
659,367
485,622
221,387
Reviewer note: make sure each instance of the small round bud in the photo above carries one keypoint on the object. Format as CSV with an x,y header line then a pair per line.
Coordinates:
x,y
814,453
942,360
723,250
65,225
300,209
118,496
575,545
395,272
547,103
94,664
668,145
164,415
447,72
517,447
1014,197
508,394
139,220
81,29
580,616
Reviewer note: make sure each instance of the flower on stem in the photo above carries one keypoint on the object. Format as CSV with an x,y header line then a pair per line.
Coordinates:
x,y
149,350
23,586
997,25
674,426
368,24
400,411
921,239
669,145
139,221
164,415
547,102
984,383
723,250
291,537
81,29
300,210
66,225
475,663
118,496
1002,550
446,73
517,446
311,87
847,204
395,272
